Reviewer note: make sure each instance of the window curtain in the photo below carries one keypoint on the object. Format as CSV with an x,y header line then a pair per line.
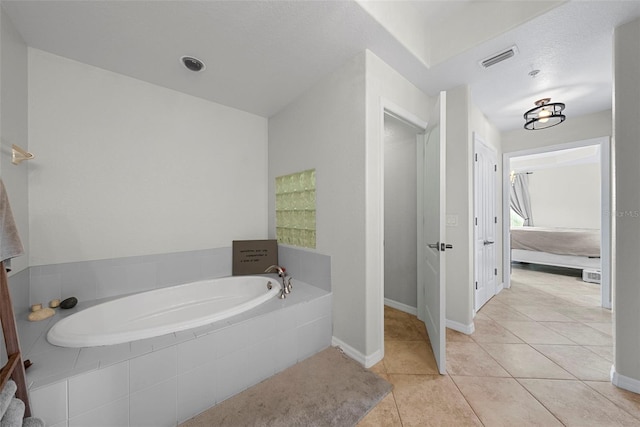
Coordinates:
x,y
520,199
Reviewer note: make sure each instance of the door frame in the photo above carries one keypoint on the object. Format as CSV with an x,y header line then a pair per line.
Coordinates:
x,y
606,209
478,140
394,110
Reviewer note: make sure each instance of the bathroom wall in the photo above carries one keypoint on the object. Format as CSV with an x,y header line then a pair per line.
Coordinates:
x,y
126,168
324,129
13,128
336,127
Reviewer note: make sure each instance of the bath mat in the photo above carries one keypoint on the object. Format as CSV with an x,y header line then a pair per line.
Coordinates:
x,y
327,389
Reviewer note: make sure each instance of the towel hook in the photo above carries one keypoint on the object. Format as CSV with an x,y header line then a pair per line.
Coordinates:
x,y
18,155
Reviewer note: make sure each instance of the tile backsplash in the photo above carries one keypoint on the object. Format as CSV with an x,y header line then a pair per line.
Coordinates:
x,y
91,280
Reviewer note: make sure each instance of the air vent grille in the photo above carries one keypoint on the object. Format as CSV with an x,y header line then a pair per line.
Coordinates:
x,y
499,57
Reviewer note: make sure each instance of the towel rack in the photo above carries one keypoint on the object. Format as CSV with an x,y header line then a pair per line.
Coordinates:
x,y
14,368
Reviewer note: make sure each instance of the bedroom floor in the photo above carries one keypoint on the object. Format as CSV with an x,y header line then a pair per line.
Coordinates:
x,y
541,355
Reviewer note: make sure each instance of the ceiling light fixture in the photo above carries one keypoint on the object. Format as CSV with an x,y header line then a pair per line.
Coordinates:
x,y
192,63
544,115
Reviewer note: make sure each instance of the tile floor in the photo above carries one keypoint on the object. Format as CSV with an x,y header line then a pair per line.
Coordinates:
x,y
541,355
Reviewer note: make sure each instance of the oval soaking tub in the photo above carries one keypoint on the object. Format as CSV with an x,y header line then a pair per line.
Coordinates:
x,y
162,311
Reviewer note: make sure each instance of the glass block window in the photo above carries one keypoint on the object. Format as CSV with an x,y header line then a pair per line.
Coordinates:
x,y
296,209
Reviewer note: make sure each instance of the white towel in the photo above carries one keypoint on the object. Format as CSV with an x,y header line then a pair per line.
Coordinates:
x,y
10,244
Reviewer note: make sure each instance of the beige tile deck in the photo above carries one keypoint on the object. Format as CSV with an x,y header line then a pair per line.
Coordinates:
x,y
540,355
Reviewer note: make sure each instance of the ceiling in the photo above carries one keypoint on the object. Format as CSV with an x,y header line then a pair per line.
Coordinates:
x,y
261,55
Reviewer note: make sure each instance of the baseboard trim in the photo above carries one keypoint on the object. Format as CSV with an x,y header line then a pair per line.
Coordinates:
x,y
461,327
366,361
400,306
623,382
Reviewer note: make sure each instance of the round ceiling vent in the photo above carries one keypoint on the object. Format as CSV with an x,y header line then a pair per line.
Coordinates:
x,y
192,63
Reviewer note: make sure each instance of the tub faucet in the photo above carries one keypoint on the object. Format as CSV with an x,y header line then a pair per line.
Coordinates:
x,y
286,279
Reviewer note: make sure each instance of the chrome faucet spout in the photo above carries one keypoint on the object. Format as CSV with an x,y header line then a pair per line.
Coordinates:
x,y
274,268
286,284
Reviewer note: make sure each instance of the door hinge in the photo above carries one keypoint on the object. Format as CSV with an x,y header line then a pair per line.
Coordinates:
x,y
495,219
495,272
476,157
495,168
476,220
476,286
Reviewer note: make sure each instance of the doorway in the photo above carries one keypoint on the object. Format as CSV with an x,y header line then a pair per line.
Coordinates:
x,y
603,148
400,214
429,196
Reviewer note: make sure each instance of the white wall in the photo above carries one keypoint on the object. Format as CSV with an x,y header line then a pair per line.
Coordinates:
x,y
325,129
336,127
460,270
573,129
567,196
463,120
626,298
385,86
127,168
13,129
400,212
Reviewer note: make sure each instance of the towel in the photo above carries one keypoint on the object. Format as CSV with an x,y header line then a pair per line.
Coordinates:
x,y
14,414
10,244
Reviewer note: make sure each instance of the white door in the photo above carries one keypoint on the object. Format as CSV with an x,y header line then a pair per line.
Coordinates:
x,y
485,222
431,228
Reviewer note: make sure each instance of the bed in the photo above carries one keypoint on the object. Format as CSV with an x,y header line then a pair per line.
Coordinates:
x,y
563,247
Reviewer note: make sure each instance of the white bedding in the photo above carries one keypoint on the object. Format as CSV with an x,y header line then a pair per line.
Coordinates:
x,y
559,241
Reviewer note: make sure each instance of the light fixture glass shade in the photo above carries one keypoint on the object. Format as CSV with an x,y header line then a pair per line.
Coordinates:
x,y
545,115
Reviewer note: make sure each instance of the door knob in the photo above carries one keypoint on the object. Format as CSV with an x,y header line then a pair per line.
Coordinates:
x,y
434,245
488,242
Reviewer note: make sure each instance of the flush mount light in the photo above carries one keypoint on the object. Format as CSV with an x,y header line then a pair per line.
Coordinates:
x,y
544,115
192,63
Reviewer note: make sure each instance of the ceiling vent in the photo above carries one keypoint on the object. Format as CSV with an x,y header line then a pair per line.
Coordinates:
x,y
499,57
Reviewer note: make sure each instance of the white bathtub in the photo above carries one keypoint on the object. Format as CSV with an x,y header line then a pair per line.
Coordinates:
x,y
162,311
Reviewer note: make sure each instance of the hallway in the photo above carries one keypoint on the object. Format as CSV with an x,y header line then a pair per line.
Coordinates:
x,y
541,354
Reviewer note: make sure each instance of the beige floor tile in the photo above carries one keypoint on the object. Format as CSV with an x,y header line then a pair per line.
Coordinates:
x,y
409,357
535,333
384,413
523,361
491,331
580,333
499,311
378,368
606,352
431,400
468,358
399,328
579,361
503,402
626,400
576,404
455,336
542,314
604,327
421,328
481,316
587,314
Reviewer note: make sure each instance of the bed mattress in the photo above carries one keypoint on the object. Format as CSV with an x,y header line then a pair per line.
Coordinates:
x,y
560,241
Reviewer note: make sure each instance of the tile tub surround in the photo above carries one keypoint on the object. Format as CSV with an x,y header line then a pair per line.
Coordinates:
x,y
91,280
169,379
